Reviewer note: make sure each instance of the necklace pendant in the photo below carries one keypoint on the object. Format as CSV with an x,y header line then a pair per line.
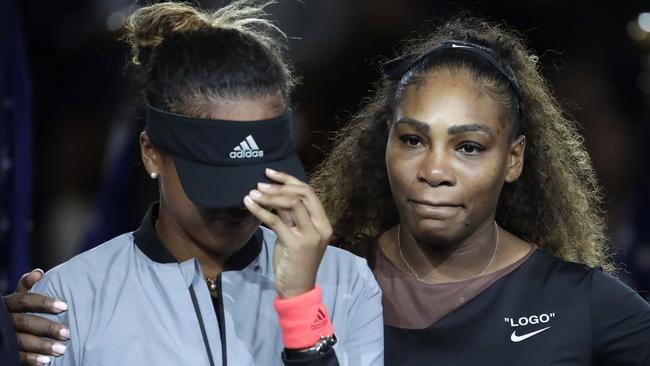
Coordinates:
x,y
212,284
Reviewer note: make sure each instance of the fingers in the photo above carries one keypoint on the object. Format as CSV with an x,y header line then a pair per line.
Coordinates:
x,y
29,279
32,359
304,191
34,349
39,326
283,177
286,218
30,344
294,187
283,197
269,219
289,203
30,328
36,303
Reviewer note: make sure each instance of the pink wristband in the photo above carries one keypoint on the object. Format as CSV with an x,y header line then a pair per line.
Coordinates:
x,y
303,319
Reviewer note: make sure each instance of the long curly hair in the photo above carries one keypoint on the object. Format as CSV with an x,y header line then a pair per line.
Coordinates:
x,y
556,203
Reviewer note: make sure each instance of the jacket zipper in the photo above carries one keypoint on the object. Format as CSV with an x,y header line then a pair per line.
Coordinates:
x,y
221,320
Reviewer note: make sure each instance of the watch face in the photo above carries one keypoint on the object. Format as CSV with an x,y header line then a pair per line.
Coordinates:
x,y
325,344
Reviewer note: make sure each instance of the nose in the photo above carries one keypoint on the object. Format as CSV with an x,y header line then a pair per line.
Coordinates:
x,y
435,170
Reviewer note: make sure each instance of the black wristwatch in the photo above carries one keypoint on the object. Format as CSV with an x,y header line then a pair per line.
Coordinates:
x,y
322,346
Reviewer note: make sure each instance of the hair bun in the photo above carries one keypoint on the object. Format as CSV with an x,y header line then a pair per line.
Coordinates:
x,y
147,27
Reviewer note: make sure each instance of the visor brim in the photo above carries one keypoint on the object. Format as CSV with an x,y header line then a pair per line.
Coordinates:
x,y
214,187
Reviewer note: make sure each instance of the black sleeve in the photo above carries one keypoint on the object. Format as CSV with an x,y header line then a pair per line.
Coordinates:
x,y
326,359
8,347
620,323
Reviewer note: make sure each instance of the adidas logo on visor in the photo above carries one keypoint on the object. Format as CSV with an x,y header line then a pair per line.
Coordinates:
x,y
246,149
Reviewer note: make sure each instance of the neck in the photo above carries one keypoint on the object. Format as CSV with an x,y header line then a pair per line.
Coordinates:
x,y
183,247
437,262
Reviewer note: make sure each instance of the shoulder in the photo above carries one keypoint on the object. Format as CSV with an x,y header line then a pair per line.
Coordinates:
x,y
342,259
608,293
345,263
599,289
549,269
550,280
620,322
98,258
348,272
598,283
87,268
84,279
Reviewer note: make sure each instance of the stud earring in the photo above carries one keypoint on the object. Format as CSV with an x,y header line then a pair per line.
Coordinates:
x,y
153,175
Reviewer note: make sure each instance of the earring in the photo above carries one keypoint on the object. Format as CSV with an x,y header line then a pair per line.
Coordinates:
x,y
153,175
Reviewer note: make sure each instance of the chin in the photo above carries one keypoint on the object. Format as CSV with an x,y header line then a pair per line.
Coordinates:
x,y
432,239
227,239
234,231
437,232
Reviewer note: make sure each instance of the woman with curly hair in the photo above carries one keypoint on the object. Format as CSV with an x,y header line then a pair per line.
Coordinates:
x,y
471,195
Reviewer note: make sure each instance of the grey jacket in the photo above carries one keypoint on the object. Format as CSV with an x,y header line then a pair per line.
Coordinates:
x,y
131,303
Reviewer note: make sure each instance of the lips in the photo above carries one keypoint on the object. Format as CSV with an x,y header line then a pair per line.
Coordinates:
x,y
436,210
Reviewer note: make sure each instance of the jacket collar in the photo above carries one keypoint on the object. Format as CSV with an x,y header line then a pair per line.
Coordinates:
x,y
148,241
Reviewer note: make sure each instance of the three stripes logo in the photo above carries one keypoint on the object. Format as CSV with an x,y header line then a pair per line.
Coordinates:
x,y
320,321
246,149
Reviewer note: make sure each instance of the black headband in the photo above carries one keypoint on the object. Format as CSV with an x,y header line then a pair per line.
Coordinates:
x,y
398,68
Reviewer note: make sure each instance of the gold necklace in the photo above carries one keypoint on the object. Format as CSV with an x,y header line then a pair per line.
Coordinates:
x,y
419,277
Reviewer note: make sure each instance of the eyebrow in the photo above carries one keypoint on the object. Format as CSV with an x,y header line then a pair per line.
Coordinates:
x,y
418,125
471,127
453,130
